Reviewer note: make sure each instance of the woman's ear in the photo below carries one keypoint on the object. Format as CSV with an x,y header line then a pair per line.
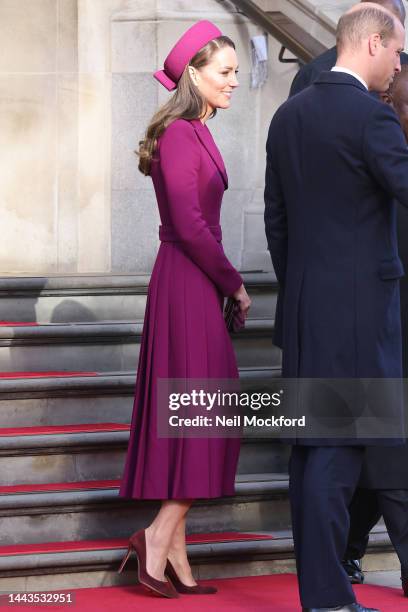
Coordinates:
x,y
193,74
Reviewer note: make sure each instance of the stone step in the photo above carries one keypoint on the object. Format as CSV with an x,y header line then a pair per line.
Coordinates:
x,y
57,565
105,554
110,346
89,347
79,298
91,298
61,400
97,452
91,510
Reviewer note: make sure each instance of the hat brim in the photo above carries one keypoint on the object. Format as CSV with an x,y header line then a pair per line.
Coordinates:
x,y
162,77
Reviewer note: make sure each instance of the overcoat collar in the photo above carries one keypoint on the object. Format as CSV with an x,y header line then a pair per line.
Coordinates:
x,y
207,141
338,78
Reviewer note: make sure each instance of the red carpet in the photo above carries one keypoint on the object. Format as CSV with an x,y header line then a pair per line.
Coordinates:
x,y
82,485
63,429
17,324
45,374
227,536
276,593
117,543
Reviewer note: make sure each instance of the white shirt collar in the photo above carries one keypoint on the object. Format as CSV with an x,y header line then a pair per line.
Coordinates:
x,y
352,73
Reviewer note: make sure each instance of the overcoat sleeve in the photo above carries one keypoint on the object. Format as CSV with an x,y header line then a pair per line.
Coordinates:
x,y
180,164
276,227
275,211
386,153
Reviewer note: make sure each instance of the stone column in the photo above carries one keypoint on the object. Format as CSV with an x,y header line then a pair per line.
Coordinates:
x,y
38,118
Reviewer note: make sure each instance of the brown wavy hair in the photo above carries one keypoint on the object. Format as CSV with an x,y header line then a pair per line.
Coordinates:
x,y
186,103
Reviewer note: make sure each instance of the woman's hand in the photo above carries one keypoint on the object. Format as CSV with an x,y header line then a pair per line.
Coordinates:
x,y
243,299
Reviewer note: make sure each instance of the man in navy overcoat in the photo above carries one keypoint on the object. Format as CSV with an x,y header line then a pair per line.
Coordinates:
x,y
336,159
383,487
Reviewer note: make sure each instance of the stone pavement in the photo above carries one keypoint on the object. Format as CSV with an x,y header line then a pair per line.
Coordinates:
x,y
384,578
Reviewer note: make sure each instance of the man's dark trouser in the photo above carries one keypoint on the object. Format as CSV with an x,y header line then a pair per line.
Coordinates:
x,y
322,483
365,511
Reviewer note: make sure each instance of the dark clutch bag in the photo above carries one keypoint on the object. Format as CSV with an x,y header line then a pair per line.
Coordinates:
x,y
233,317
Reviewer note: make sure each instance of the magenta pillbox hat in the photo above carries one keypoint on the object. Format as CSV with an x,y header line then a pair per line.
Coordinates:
x,y
185,48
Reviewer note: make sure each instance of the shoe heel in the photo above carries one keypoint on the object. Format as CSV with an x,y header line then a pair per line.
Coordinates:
x,y
125,559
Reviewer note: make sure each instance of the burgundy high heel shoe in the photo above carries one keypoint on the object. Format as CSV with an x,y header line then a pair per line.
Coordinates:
x,y
183,588
137,542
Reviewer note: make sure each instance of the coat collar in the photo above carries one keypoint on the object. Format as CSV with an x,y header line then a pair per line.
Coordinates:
x,y
339,78
207,141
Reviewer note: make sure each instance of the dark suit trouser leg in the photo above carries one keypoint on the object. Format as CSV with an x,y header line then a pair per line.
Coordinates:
x,y
297,465
394,507
364,515
322,483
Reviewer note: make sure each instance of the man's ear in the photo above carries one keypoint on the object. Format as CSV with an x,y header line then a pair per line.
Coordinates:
x,y
386,98
374,43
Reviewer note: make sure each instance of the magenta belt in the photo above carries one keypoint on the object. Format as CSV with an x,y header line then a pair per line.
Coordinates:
x,y
168,234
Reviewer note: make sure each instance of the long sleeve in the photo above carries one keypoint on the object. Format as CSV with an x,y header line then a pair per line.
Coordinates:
x,y
180,165
276,230
386,153
275,212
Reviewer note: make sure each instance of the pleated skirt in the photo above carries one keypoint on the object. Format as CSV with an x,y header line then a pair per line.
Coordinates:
x,y
184,336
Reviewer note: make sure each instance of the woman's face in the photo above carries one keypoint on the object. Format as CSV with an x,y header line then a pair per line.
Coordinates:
x,y
217,80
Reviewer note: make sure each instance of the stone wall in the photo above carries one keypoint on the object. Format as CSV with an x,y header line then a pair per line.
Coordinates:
x,y
239,132
76,93
38,132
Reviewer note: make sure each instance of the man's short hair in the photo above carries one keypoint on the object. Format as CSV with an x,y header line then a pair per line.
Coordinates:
x,y
355,26
394,6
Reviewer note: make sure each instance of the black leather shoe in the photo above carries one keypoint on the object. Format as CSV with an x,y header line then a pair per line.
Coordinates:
x,y
354,607
354,571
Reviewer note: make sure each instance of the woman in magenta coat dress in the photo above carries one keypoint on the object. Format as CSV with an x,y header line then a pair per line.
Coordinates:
x,y
184,334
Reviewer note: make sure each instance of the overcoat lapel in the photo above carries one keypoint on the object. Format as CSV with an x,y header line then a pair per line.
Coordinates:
x,y
207,141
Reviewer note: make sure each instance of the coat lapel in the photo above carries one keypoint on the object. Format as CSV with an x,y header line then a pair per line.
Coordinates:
x,y
207,141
